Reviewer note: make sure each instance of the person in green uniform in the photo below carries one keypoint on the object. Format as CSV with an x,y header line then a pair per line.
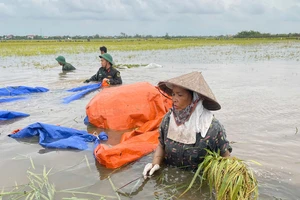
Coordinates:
x,y
189,128
65,66
106,72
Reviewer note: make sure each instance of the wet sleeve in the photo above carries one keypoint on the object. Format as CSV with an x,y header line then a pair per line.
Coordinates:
x,y
163,129
116,79
72,67
93,78
222,143
96,76
65,67
68,67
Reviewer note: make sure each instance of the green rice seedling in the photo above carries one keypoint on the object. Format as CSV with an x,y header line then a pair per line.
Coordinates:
x,y
229,177
40,187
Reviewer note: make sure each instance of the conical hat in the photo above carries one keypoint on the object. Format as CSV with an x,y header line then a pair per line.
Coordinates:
x,y
192,81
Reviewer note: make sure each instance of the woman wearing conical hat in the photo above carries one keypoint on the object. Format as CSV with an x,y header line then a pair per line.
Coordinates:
x,y
189,127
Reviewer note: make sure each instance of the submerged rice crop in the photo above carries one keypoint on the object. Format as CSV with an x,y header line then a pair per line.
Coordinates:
x,y
47,47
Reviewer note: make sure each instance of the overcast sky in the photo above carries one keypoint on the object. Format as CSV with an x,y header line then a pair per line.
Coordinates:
x,y
148,17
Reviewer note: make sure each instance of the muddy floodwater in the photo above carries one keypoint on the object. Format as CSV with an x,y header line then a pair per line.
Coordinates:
x,y
258,87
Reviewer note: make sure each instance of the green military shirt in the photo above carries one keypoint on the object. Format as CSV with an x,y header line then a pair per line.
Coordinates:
x,y
68,67
112,74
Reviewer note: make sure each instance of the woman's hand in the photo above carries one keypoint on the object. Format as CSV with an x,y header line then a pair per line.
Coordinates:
x,y
150,169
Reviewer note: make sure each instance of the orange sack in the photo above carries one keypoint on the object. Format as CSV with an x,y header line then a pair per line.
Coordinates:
x,y
140,106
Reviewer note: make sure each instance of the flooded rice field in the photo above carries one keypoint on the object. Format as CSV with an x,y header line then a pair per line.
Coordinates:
x,y
258,87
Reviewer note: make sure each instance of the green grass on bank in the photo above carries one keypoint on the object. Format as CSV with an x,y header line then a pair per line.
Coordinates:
x,y
48,47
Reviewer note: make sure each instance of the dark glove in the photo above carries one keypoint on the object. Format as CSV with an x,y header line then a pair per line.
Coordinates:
x,y
87,81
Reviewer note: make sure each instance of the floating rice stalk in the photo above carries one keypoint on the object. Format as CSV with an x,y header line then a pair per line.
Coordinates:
x,y
16,185
73,191
255,162
229,177
177,186
68,167
174,189
138,178
135,185
111,173
114,188
31,161
86,193
87,162
50,188
76,188
20,157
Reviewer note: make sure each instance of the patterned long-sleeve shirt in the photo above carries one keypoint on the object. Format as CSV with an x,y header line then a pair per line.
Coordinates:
x,y
189,156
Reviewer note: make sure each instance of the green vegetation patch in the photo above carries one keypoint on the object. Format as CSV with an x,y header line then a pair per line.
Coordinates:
x,y
122,66
47,47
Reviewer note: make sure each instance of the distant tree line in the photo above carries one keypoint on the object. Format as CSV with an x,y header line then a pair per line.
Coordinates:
x,y
256,34
242,34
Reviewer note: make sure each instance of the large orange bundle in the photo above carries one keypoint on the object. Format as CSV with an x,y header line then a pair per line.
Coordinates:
x,y
139,106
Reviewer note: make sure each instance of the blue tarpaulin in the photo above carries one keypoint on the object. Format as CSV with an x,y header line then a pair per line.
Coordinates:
x,y
12,99
52,136
86,89
6,115
19,90
86,120
94,85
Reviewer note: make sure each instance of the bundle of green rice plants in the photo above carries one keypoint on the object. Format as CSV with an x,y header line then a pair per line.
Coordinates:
x,y
229,177
38,187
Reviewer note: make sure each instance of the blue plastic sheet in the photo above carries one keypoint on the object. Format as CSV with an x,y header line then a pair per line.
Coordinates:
x,y
19,90
95,85
86,120
12,99
52,136
86,89
7,115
